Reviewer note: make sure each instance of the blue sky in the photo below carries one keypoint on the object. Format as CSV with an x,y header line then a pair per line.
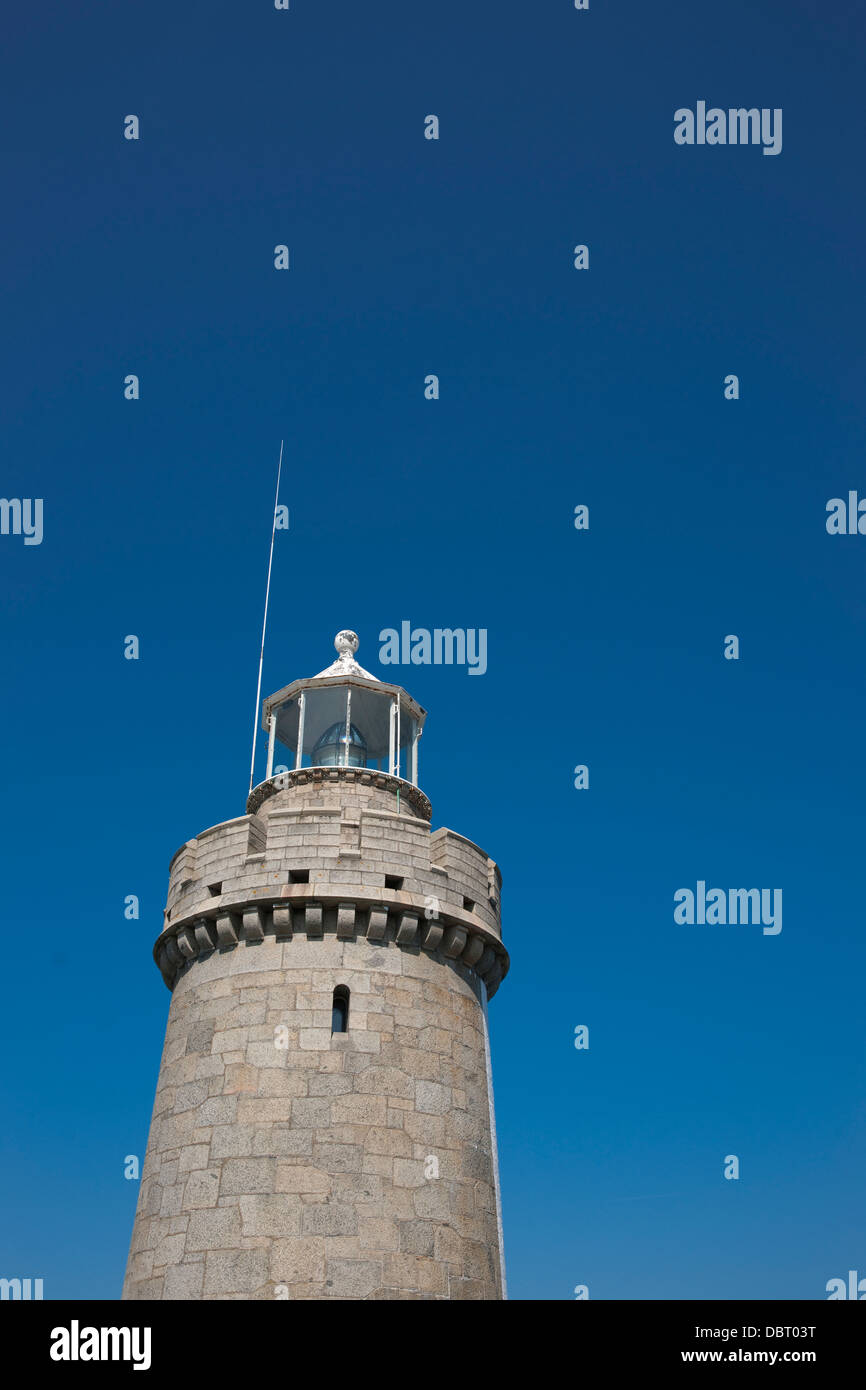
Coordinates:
x,y
558,387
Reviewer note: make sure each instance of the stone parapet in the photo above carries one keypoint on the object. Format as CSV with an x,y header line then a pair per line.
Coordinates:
x,y
326,843
345,910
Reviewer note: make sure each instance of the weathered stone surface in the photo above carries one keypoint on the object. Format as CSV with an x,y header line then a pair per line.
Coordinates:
x,y
235,1271
218,1229
282,1155
302,1178
202,1189
272,1216
377,923
329,1219
417,1237
409,1172
353,1278
184,1281
295,1260
346,920
431,1098
243,1175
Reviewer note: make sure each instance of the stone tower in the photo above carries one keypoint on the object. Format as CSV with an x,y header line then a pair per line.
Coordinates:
x,y
323,1124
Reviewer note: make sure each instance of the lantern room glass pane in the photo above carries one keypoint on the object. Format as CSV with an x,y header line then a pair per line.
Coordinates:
x,y
324,727
325,710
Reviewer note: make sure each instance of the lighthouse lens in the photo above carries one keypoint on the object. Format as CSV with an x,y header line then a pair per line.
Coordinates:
x,y
330,748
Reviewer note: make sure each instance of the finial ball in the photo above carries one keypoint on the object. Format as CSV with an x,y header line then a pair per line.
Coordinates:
x,y
346,642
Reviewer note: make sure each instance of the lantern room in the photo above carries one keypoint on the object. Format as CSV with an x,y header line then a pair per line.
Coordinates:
x,y
343,717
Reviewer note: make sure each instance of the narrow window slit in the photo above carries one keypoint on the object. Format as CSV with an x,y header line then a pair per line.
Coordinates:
x,y
340,1010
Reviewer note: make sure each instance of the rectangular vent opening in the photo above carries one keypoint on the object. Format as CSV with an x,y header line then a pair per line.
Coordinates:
x,y
214,889
393,881
299,876
468,905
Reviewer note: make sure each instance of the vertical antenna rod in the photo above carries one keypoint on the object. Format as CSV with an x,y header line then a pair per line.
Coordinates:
x,y
265,620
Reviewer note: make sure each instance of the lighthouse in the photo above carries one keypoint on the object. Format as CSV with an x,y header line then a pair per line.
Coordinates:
x,y
323,1125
